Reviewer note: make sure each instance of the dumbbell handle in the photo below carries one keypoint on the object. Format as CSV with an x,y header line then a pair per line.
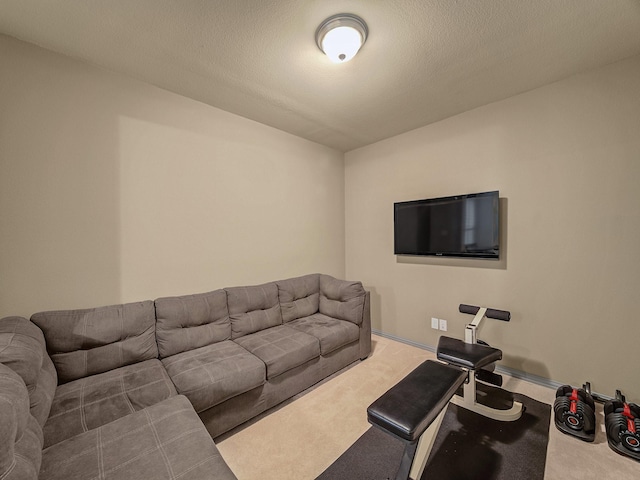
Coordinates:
x,y
491,312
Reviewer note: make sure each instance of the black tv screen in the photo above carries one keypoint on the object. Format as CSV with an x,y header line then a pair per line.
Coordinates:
x,y
458,226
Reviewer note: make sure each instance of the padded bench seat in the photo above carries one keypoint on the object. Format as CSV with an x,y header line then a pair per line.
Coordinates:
x,y
408,408
467,355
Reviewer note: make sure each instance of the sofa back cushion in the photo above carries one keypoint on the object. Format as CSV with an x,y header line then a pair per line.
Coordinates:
x,y
299,297
252,309
95,340
20,433
191,321
23,349
342,299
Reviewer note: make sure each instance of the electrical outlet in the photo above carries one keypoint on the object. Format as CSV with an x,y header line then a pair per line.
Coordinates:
x,y
434,323
443,325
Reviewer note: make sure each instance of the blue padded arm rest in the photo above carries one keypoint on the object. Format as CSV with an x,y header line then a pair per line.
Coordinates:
x,y
409,407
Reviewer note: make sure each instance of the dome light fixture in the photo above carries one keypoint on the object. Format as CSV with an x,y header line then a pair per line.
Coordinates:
x,y
341,36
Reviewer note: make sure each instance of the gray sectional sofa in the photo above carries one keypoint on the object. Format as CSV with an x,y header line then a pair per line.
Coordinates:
x,y
139,390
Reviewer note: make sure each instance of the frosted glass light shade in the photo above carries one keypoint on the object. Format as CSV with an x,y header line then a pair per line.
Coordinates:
x,y
341,44
341,36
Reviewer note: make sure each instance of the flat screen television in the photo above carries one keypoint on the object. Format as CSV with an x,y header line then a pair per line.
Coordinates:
x,y
458,226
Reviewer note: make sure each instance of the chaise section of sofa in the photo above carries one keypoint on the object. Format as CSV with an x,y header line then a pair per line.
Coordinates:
x,y
164,441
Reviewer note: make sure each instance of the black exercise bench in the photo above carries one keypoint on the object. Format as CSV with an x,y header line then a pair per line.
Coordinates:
x,y
479,359
413,409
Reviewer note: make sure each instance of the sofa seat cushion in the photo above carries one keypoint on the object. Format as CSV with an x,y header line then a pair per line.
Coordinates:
x,y
94,401
164,441
210,375
331,332
281,348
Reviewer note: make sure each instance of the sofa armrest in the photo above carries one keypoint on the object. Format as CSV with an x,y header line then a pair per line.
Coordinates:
x,y
23,349
20,433
348,300
342,299
365,328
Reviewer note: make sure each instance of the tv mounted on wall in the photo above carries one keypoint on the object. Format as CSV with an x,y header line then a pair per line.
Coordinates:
x,y
458,226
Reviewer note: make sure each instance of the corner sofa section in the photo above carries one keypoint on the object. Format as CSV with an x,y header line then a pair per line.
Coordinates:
x,y
125,389
165,440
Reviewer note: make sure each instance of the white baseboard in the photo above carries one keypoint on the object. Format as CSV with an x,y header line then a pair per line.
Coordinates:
x,y
538,380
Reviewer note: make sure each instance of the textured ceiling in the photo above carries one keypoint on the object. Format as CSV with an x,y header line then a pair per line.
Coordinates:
x,y
424,60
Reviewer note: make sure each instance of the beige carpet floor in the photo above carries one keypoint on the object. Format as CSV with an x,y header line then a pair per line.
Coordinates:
x,y
301,438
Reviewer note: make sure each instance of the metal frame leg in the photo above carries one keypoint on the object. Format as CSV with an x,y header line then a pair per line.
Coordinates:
x,y
468,401
407,459
416,454
425,444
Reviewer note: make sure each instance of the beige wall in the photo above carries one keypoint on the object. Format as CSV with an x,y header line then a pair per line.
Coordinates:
x,y
566,159
112,190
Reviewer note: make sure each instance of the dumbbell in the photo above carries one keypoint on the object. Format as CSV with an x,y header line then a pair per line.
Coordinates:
x,y
574,411
622,422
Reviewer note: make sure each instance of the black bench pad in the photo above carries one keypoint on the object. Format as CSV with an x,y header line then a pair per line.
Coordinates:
x,y
467,355
409,407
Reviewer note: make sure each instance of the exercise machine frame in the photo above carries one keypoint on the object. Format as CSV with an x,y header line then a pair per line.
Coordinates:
x,y
468,399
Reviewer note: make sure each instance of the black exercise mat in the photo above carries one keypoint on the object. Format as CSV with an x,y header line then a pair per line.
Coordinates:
x,y
468,446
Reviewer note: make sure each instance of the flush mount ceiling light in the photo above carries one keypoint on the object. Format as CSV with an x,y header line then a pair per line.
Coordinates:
x,y
341,36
